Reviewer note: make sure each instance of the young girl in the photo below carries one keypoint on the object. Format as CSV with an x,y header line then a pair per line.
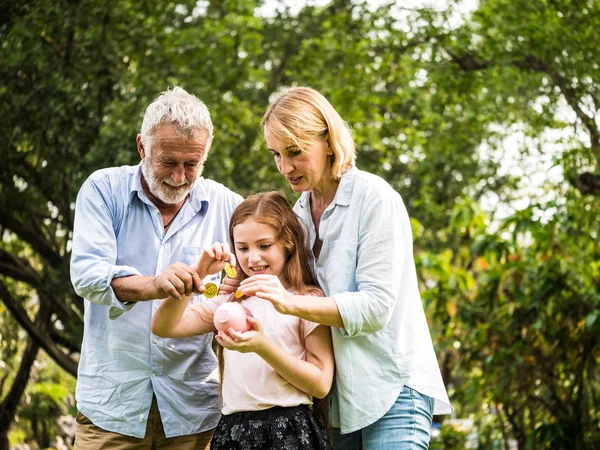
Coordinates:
x,y
271,373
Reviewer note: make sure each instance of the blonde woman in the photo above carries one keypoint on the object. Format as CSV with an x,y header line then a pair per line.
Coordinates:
x,y
388,382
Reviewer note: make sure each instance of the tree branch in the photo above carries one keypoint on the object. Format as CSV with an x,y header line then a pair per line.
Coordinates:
x,y
18,269
35,239
468,62
32,175
70,341
8,406
37,334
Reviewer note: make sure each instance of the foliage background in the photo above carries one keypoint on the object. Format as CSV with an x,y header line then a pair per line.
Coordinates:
x,y
485,122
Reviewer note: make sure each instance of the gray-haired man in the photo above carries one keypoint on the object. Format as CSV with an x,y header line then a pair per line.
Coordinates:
x,y
137,232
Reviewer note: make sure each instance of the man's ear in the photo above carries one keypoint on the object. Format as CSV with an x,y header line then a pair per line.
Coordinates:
x,y
140,146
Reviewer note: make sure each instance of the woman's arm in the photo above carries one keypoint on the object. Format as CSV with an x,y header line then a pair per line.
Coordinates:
x,y
313,376
383,276
323,310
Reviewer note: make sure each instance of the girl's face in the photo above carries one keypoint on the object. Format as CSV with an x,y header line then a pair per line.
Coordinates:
x,y
258,250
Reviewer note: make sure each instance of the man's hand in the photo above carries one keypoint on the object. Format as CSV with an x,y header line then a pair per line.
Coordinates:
x,y
178,279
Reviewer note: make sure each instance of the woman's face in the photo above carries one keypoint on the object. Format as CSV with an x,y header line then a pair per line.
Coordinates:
x,y
305,170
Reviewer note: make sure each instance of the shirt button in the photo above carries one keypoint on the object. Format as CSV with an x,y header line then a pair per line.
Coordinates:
x,y
155,340
141,417
153,374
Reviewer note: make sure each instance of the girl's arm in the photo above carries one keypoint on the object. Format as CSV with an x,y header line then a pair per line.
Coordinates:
x,y
173,320
313,376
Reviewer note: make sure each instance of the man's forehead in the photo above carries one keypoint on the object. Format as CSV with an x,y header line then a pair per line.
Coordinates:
x,y
168,141
170,132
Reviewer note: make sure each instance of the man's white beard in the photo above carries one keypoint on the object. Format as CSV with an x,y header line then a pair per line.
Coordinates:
x,y
162,191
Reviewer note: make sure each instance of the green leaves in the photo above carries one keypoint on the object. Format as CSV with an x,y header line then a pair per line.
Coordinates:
x,y
512,295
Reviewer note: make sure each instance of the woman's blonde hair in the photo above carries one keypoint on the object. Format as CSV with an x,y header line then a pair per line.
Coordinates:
x,y
301,115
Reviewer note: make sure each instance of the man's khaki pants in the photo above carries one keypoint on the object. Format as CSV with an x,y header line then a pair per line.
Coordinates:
x,y
91,437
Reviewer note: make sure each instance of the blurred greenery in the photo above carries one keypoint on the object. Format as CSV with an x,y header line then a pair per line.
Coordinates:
x,y
450,438
508,262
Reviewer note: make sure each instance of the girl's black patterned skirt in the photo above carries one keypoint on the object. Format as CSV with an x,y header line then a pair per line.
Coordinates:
x,y
291,428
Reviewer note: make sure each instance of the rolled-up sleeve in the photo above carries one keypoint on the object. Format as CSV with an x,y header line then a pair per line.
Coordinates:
x,y
94,251
382,235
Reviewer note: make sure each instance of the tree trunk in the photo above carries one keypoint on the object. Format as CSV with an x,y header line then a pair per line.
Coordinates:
x,y
8,406
44,440
4,439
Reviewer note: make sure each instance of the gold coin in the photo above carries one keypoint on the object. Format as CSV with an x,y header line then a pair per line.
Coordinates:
x,y
230,271
211,290
238,294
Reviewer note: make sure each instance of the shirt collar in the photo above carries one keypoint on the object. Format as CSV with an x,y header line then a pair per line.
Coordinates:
x,y
343,193
136,186
196,200
344,190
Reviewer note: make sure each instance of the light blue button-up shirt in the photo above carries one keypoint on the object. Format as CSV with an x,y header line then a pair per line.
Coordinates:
x,y
366,264
118,232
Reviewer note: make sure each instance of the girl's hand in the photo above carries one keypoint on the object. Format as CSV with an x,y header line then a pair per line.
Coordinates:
x,y
214,259
246,342
269,287
229,285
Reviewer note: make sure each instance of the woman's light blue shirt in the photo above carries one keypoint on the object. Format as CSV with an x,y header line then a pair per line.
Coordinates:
x,y
366,264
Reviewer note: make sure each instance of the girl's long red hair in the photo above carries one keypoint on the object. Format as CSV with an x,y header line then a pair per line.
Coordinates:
x,y
272,208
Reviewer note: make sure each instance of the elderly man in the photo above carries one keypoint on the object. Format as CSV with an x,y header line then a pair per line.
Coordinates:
x,y
137,233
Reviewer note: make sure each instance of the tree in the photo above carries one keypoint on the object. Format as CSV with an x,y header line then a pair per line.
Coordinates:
x,y
62,63
422,95
520,303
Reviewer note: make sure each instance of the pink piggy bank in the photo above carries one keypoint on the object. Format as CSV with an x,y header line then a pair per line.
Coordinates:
x,y
231,315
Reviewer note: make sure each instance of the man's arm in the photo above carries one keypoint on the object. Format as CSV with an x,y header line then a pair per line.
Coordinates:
x,y
178,279
136,288
94,251
94,272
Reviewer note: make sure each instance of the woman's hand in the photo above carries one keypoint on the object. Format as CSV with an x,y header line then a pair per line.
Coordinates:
x,y
269,287
253,340
214,259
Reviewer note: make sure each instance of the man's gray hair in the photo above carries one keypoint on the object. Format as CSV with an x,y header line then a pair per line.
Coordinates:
x,y
186,111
